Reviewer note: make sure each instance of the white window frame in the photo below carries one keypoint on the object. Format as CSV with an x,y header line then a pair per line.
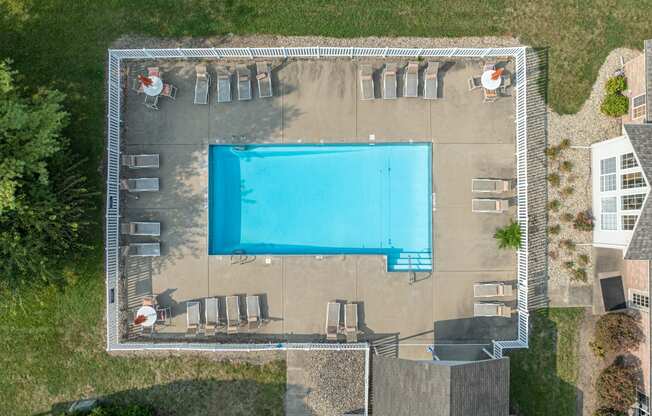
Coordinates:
x,y
611,175
634,108
634,305
628,155
622,178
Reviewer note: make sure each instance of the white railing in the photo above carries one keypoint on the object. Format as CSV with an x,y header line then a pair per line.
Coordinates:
x,y
115,91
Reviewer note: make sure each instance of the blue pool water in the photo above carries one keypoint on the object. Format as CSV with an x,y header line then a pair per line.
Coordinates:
x,y
323,199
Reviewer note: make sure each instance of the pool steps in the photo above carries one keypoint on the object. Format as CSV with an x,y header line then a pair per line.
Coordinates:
x,y
405,262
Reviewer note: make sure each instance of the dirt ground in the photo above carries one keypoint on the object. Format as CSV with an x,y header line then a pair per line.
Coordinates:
x,y
589,366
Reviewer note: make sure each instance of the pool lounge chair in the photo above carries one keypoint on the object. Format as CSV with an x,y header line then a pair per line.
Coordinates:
x,y
390,74
475,83
151,101
202,85
351,322
153,71
264,77
332,320
253,311
490,185
169,91
232,314
489,205
490,96
411,86
430,78
137,86
490,290
244,82
212,312
491,309
139,185
366,83
143,250
223,84
140,161
192,318
141,228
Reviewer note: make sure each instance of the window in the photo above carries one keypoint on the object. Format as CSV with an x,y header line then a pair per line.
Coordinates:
x,y
609,220
630,202
628,161
608,174
629,221
639,300
632,180
638,106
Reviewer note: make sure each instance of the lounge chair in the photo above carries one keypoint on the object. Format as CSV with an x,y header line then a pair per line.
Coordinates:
x,y
475,83
141,228
212,315
202,85
163,315
153,71
489,205
490,185
223,85
390,74
192,318
505,84
490,95
488,66
151,101
332,320
411,85
169,91
137,86
244,82
140,161
430,78
139,185
490,290
491,309
143,250
253,311
232,314
351,322
264,77
366,83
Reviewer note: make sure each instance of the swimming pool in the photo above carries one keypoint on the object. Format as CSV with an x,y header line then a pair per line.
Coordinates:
x,y
323,199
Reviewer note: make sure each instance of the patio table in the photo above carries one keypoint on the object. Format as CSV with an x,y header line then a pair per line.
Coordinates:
x,y
488,83
149,313
155,87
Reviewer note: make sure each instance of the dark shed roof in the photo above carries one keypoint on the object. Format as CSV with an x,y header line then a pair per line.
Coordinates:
x,y
640,247
416,388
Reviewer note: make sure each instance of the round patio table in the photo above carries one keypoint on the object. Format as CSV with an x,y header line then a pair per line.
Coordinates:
x,y
488,83
149,313
155,87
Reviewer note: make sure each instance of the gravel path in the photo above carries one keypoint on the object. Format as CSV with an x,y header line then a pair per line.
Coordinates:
x,y
588,126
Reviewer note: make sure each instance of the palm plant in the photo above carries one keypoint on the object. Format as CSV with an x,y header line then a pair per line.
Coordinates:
x,y
509,237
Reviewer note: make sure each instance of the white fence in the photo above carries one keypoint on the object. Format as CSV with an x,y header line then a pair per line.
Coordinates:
x,y
115,97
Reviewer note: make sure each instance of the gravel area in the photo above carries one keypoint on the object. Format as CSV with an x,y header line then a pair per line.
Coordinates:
x,y
588,126
325,382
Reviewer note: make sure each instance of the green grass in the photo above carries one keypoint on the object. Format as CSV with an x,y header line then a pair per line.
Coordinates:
x,y
52,345
544,377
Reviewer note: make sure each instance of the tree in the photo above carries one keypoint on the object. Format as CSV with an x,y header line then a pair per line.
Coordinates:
x,y
617,332
616,386
43,198
509,236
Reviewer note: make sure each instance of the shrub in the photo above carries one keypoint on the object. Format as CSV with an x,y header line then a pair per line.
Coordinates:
x,y
615,105
566,166
617,332
605,411
554,205
554,179
616,386
509,236
597,349
568,245
583,221
583,260
564,144
616,85
554,229
569,264
567,191
553,152
566,217
579,275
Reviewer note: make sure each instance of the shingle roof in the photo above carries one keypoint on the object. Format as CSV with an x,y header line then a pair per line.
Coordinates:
x,y
640,247
406,387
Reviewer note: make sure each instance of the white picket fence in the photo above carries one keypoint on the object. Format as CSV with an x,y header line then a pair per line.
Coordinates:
x,y
115,97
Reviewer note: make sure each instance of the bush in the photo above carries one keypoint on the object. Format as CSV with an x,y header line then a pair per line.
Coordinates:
x,y
509,236
569,264
616,386
579,275
553,152
615,105
583,221
564,144
554,205
615,85
567,191
583,260
554,179
554,229
566,166
605,411
618,332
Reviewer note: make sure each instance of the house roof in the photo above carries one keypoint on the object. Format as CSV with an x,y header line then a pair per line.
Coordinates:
x,y
640,246
437,388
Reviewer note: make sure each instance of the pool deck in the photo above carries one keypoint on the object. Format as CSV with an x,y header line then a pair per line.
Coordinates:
x,y
317,101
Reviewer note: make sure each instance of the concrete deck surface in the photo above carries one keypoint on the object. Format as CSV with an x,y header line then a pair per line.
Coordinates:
x,y
318,101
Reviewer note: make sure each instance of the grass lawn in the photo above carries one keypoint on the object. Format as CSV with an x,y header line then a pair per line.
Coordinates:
x,y
543,378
